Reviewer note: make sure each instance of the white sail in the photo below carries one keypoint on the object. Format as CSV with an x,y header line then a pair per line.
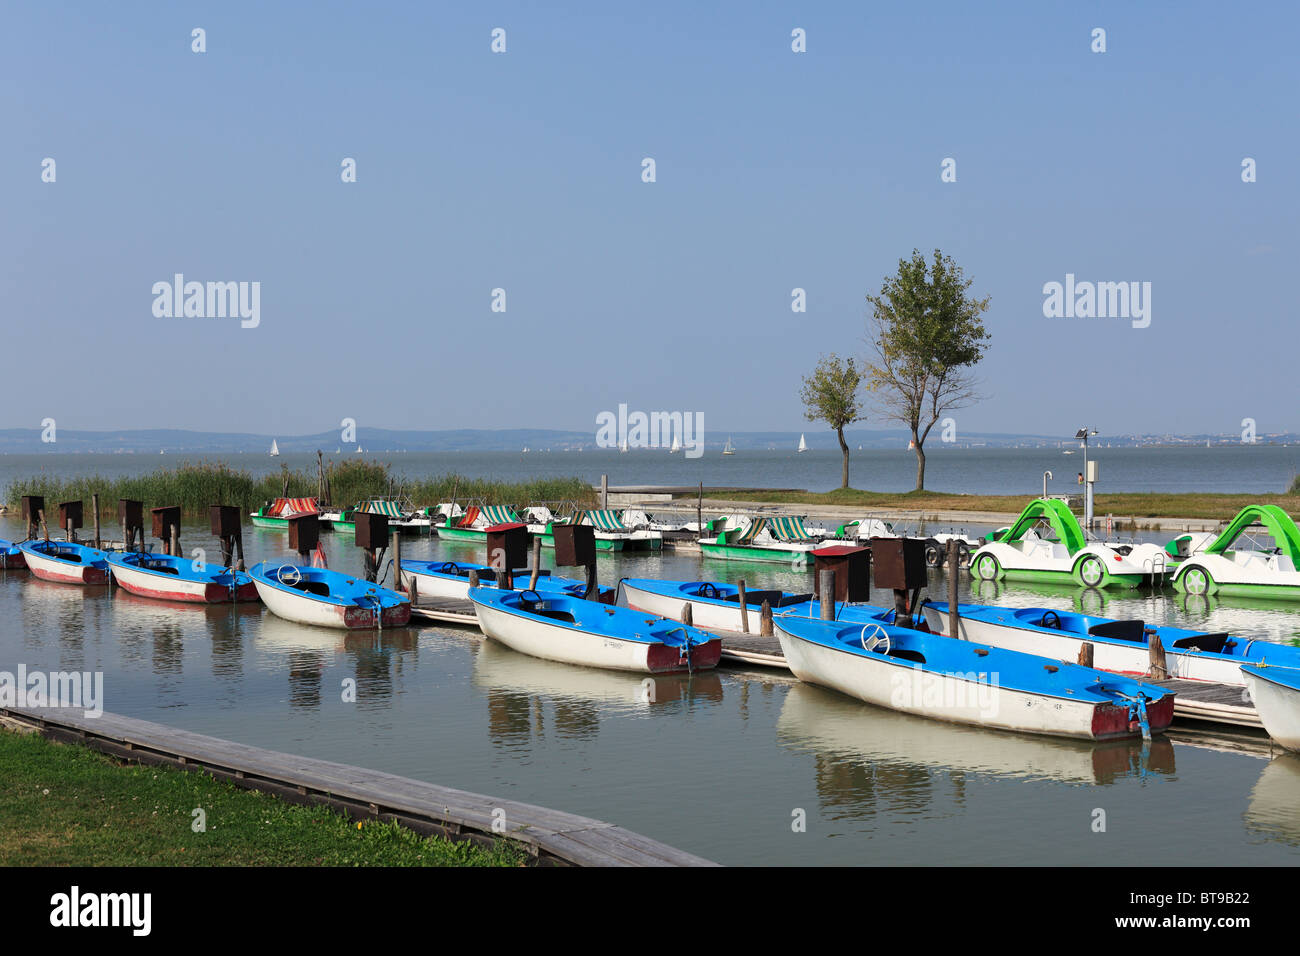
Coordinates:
x,y
677,445
623,447
728,449
803,445
275,449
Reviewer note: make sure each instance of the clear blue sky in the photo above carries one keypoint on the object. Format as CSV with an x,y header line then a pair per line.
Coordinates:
x,y
523,171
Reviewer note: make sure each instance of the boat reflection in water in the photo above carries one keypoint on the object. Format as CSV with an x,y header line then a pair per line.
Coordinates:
x,y
376,659
1272,811
519,689
866,753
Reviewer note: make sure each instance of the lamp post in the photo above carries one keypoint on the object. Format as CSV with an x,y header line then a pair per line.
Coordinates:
x,y
1083,434
1047,476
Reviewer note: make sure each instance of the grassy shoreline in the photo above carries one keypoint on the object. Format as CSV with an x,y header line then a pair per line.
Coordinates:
x,y
197,486
66,805
1190,505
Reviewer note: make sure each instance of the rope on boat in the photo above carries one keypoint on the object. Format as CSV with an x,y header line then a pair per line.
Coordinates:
x,y
1137,710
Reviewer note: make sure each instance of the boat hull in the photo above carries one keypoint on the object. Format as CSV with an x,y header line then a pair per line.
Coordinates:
x,y
1118,657
900,685
553,642
169,587
49,568
741,552
1278,704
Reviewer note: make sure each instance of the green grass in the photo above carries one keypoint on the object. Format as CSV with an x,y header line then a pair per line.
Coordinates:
x,y
1135,505
65,805
197,486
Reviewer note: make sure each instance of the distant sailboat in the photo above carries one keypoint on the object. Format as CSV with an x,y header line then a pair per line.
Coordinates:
x,y
911,444
728,449
338,451
803,445
677,445
275,449
358,448
623,447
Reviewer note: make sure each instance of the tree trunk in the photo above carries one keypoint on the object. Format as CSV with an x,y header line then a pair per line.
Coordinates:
x,y
920,462
844,449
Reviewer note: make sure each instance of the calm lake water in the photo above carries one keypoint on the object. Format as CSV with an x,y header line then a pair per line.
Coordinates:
x,y
719,764
1257,469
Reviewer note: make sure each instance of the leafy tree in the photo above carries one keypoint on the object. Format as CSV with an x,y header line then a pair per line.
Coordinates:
x,y
831,395
927,335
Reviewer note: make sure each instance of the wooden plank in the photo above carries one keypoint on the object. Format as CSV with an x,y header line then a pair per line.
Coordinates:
x,y
565,836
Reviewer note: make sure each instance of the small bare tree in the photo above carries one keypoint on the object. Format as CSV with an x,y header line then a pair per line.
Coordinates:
x,y
831,395
927,335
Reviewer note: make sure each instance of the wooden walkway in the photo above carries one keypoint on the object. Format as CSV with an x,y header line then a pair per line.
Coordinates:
x,y
446,611
1216,703
551,836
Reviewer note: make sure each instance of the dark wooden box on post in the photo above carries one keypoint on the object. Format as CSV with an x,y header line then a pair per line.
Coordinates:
x,y
507,546
851,565
371,530
130,513
575,545
70,511
164,519
899,563
225,520
33,505
304,533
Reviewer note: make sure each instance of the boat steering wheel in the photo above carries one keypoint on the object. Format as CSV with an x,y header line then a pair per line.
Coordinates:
x,y
448,567
283,578
1055,622
879,639
523,597
708,590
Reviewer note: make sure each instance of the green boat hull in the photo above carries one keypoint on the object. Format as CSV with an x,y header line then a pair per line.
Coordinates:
x,y
461,534
602,544
1119,581
279,524
740,552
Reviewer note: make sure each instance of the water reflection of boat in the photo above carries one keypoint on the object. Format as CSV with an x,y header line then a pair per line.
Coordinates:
x,y
831,725
277,635
1083,600
497,667
1271,810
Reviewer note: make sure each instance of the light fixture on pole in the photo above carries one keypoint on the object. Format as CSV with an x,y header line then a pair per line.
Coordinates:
x,y
1083,434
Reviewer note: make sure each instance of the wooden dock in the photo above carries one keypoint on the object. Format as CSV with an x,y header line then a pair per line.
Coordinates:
x,y
446,611
550,836
1215,703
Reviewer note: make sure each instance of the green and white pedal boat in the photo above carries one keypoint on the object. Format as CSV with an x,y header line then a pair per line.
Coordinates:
x,y
1047,544
1216,564
771,539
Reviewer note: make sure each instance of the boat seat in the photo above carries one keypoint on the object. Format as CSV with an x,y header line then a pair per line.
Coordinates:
x,y
756,598
318,588
1215,643
789,599
1133,630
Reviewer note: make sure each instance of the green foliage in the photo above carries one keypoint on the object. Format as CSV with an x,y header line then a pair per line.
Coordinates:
x,y
197,486
927,334
831,394
65,805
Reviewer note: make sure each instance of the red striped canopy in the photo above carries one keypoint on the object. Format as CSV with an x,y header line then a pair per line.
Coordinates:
x,y
287,507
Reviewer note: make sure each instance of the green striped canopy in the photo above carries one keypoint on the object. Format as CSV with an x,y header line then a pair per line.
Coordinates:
x,y
378,506
755,526
604,520
499,514
788,529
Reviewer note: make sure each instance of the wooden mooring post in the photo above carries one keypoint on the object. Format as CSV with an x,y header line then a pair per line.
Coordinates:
x,y
226,525
130,514
395,546
765,619
167,528
33,515
94,507
537,563
954,568
1156,653
826,588
744,608
1086,656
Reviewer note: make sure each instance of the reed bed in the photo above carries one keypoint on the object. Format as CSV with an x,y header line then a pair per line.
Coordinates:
x,y
194,487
